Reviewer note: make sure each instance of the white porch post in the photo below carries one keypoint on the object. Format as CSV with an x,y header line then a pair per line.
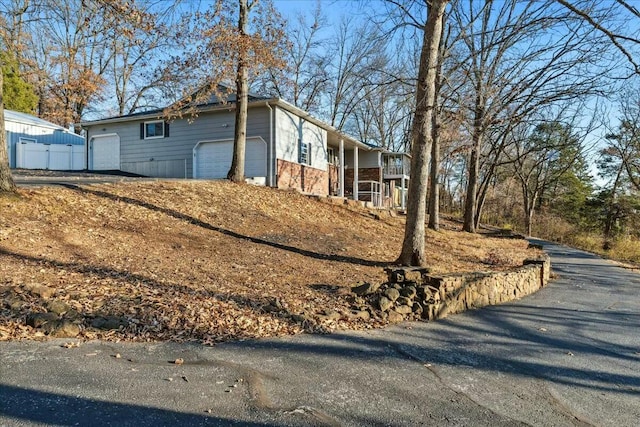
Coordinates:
x,y
355,173
402,197
341,177
381,187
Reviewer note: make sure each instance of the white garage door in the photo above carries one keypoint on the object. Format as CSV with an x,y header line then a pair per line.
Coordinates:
x,y
105,152
212,160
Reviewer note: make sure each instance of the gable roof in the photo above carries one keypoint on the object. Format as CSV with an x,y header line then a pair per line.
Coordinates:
x,y
28,119
215,104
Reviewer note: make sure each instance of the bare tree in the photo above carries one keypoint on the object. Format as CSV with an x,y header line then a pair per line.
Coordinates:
x,y
605,17
619,161
542,157
305,77
514,69
236,172
141,73
357,50
413,246
234,40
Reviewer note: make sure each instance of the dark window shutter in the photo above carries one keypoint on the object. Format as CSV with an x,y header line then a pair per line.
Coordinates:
x,y
166,129
141,130
309,154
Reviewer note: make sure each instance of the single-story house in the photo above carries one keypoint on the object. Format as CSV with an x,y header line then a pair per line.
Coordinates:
x,y
286,148
34,143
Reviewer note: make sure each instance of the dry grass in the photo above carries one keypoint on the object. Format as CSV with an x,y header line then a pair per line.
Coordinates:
x,y
207,261
624,248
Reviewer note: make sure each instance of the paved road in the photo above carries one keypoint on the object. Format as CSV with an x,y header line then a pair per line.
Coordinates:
x,y
567,356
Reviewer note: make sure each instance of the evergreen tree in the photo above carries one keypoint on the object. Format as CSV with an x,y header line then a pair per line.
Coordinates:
x,y
19,95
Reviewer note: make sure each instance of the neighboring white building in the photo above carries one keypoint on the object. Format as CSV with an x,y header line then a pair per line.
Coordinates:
x,y
33,143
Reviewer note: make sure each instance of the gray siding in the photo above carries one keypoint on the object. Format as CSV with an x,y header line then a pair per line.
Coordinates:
x,y
168,157
366,159
290,129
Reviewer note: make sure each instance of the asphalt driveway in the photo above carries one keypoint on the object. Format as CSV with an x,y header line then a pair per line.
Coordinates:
x,y
568,355
39,178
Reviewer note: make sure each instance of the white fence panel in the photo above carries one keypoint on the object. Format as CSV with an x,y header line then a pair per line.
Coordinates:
x,y
31,155
77,158
60,157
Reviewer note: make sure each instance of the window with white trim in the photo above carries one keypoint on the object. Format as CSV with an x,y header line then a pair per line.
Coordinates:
x,y
305,153
154,129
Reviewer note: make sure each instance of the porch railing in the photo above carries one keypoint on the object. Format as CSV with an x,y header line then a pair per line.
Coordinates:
x,y
369,191
395,170
394,165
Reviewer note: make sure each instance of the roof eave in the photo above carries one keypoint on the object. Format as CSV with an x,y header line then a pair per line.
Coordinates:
x,y
257,103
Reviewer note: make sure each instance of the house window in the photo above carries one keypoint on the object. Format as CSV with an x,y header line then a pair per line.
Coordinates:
x,y
331,157
25,140
305,153
154,129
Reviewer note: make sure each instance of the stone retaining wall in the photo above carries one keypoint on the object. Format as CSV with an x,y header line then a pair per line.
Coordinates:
x,y
461,292
414,293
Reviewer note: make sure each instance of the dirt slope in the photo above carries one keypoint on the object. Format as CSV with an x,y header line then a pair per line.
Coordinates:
x,y
206,261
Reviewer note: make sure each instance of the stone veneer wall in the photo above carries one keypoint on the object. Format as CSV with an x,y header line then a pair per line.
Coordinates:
x,y
461,292
413,293
294,176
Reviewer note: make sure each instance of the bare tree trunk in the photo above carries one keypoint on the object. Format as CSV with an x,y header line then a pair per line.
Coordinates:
x,y
434,175
236,173
529,207
470,206
413,246
434,191
479,206
6,179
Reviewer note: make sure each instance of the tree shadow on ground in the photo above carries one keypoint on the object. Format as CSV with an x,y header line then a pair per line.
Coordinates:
x,y
489,343
57,409
184,217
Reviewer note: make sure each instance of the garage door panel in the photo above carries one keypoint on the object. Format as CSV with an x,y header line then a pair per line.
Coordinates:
x,y
106,152
213,159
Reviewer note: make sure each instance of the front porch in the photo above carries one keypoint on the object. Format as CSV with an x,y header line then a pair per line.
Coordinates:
x,y
363,173
396,174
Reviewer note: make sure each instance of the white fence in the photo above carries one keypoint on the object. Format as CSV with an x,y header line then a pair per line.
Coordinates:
x,y
32,155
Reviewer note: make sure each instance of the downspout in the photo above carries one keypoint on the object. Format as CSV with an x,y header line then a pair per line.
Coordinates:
x,y
86,149
271,164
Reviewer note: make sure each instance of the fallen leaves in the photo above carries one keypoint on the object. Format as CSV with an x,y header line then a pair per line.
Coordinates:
x,y
205,261
71,345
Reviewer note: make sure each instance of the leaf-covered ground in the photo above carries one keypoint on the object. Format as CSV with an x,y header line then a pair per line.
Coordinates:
x,y
205,261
